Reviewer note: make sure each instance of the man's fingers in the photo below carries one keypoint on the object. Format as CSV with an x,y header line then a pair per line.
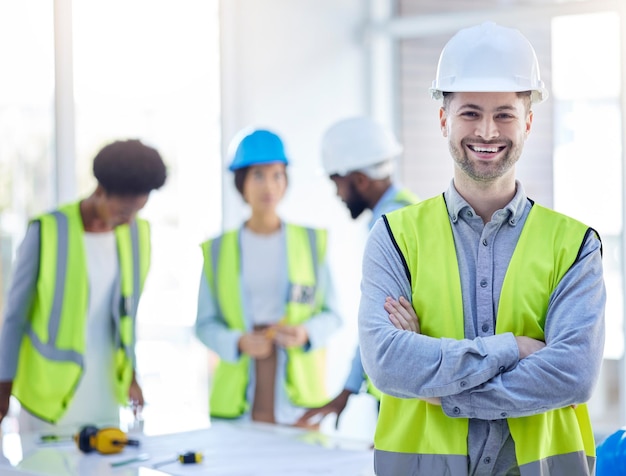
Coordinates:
x,y
402,320
404,316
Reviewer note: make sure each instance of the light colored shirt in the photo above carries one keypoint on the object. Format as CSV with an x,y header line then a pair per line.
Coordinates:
x,y
212,331
410,365
260,255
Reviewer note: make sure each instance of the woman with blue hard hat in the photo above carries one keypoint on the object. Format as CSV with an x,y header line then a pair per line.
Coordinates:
x,y
265,304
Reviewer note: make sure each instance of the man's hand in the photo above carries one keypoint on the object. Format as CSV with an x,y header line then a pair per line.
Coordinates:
x,y
314,415
401,314
289,336
5,397
135,396
256,344
528,346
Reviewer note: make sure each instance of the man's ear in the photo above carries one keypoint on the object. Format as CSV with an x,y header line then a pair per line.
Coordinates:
x,y
529,122
443,121
360,181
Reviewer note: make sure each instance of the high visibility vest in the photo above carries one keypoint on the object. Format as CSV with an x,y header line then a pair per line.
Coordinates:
x,y
52,350
306,369
405,197
414,434
402,198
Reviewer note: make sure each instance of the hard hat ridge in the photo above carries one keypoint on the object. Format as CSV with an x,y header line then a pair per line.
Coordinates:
x,y
488,58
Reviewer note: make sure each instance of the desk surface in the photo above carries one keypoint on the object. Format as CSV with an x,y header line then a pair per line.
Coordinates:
x,y
229,448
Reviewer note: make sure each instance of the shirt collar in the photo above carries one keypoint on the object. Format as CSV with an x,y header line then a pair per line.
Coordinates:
x,y
379,208
513,210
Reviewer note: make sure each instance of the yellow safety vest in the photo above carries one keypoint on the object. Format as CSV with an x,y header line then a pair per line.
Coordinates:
x,y
413,432
306,369
405,197
402,198
52,350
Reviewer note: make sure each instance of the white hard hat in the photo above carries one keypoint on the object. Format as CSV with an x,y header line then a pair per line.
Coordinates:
x,y
359,144
488,58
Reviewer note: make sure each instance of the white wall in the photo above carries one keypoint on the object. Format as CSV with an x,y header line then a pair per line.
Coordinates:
x,y
296,67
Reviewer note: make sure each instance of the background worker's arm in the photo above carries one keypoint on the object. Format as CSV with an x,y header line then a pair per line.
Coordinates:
x,y
22,288
135,395
211,329
338,404
565,371
407,364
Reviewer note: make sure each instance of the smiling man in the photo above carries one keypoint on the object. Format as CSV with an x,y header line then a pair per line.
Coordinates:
x,y
482,313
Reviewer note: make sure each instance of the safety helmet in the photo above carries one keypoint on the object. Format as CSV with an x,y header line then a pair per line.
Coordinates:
x,y
255,147
359,144
488,58
611,454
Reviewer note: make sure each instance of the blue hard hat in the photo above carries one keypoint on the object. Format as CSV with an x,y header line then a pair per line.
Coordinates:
x,y
258,147
611,455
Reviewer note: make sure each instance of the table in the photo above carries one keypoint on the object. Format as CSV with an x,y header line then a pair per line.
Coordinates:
x,y
228,448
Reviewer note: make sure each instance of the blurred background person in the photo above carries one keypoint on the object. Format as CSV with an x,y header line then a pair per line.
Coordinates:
x,y
67,346
358,154
266,303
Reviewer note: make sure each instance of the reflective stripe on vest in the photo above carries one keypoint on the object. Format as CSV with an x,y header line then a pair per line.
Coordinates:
x,y
412,433
134,252
305,373
51,353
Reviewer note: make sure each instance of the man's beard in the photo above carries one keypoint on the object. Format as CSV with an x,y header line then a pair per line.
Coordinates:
x,y
356,204
497,169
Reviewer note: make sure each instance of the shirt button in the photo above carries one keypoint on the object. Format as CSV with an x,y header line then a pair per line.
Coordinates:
x,y
487,460
456,411
463,383
469,214
483,283
503,414
512,221
485,327
485,242
502,369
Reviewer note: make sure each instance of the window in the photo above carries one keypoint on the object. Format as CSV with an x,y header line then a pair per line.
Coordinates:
x,y
150,70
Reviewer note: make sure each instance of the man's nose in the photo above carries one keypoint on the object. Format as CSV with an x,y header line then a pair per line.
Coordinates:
x,y
487,128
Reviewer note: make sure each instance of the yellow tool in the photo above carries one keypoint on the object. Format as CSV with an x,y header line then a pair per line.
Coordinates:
x,y
106,441
270,333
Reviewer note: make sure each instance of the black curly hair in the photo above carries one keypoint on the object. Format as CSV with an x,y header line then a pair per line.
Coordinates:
x,y
129,167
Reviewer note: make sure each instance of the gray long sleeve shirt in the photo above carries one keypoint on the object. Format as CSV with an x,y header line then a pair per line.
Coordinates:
x,y
481,377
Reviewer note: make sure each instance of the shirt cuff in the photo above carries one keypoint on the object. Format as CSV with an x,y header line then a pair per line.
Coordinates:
x,y
503,347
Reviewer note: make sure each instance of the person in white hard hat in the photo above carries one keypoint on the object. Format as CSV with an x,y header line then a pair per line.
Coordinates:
x,y
266,304
501,301
358,154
